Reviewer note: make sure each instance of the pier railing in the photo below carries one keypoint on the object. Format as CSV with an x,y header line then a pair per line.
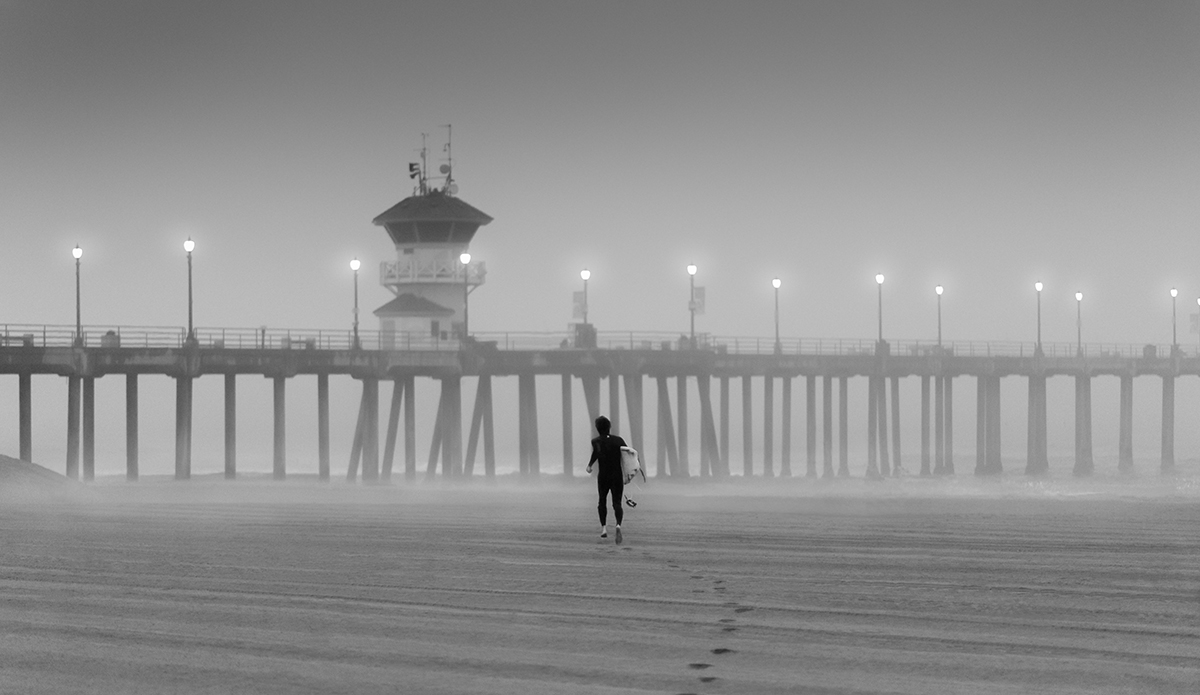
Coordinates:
x,y
42,336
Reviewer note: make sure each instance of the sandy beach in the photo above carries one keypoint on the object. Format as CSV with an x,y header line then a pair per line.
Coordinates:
x,y
255,587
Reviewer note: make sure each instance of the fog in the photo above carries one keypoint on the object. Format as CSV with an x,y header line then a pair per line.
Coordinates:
x,y
981,148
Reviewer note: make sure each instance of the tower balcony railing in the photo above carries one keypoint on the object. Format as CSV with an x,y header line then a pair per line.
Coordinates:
x,y
418,269
17,336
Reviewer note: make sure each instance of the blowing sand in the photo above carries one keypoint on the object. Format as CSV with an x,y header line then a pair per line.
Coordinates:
x,y
254,587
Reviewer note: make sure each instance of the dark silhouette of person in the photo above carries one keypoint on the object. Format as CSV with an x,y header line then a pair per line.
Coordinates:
x,y
610,480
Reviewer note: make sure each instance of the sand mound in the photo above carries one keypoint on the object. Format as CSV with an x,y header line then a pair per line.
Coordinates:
x,y
15,472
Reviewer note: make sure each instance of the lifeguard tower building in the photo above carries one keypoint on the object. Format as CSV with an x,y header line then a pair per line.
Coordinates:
x,y
431,230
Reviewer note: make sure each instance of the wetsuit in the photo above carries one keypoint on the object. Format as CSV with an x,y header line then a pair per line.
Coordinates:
x,y
610,479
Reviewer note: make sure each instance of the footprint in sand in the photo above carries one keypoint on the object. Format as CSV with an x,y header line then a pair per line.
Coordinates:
x,y
699,666
743,609
722,650
729,629
707,679
727,620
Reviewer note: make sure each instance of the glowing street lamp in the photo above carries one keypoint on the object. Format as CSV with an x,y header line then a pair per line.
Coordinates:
x,y
778,346
691,269
190,246
1079,323
1038,286
1174,334
355,265
465,259
78,254
879,281
584,275
939,291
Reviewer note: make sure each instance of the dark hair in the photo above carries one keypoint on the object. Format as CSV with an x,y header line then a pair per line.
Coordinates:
x,y
603,425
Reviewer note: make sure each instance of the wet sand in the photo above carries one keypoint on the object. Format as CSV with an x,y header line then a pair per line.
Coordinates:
x,y
212,587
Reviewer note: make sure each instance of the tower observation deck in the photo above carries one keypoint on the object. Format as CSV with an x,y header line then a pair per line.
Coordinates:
x,y
430,231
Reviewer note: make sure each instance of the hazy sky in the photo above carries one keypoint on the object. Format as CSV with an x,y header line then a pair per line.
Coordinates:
x,y
982,146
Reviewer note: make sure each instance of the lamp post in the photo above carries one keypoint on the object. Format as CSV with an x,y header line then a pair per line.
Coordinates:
x,y
778,346
190,246
939,290
355,265
1079,323
879,281
78,254
1038,348
1174,334
465,259
692,301
584,275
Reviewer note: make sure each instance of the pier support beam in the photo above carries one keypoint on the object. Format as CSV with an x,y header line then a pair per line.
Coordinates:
x,y
810,425
183,427
322,426
710,458
1036,460
682,409
230,426
634,406
872,428
1168,424
89,428
747,429
939,425
949,417
25,417
481,420
827,426
370,430
279,460
1125,440
393,428
896,466
925,471
527,414
768,426
614,402
1083,426
785,445
131,427
980,425
881,408
410,429
843,426
994,465
668,461
567,422
73,427
725,425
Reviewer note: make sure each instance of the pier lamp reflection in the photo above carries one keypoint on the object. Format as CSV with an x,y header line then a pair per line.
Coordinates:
x,y
1174,334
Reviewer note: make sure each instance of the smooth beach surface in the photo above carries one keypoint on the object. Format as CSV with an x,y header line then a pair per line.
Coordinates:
x,y
785,586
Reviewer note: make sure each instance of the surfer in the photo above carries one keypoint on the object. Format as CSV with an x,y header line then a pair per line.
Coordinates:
x,y
606,452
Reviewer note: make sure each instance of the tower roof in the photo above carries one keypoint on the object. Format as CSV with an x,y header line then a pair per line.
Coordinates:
x,y
412,305
435,206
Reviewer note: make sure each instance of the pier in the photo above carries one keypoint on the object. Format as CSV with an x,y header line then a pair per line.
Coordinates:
x,y
678,370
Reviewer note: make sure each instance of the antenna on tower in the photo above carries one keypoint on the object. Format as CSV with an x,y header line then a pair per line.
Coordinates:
x,y
424,165
447,169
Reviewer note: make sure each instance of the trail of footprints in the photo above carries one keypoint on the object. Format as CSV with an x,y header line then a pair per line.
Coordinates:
x,y
727,624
